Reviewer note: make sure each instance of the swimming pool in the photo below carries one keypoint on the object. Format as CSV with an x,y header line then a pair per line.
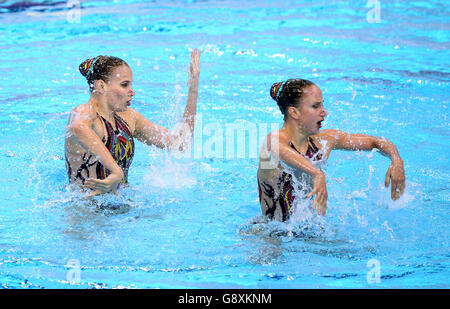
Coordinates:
x,y
194,221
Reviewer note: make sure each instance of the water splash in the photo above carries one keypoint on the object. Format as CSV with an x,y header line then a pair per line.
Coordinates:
x,y
168,173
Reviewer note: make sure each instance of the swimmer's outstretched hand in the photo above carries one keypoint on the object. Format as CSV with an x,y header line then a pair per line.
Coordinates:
x,y
194,69
320,189
396,175
101,186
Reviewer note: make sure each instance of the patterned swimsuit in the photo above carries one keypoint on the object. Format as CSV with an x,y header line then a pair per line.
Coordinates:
x,y
120,144
285,184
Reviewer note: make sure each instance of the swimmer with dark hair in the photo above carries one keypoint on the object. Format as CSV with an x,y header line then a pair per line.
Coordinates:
x,y
300,147
99,144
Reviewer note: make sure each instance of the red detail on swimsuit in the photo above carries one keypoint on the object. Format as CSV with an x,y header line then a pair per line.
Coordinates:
x,y
287,197
120,144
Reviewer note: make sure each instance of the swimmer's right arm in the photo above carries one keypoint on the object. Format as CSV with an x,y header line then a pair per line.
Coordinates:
x,y
153,134
279,146
80,125
179,138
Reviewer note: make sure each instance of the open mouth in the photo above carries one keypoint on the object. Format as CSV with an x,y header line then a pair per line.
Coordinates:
x,y
319,124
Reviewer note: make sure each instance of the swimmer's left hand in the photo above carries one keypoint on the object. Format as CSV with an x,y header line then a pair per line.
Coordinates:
x,y
320,189
100,186
396,175
94,193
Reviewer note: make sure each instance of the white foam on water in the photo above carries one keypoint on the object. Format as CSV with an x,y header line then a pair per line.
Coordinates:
x,y
169,173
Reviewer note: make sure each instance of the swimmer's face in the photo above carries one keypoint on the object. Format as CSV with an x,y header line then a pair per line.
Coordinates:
x,y
119,90
311,111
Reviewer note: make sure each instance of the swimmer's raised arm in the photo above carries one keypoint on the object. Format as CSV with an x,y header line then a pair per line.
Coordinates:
x,y
153,134
80,125
191,104
395,173
150,133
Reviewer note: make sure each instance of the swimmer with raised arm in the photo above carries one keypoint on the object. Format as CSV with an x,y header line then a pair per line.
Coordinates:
x,y
300,146
99,144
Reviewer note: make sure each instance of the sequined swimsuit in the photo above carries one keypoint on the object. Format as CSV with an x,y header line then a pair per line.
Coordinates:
x,y
120,144
285,185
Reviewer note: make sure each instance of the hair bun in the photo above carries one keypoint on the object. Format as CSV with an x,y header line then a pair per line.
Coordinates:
x,y
275,90
85,66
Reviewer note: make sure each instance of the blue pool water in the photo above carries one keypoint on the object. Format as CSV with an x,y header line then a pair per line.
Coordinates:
x,y
194,221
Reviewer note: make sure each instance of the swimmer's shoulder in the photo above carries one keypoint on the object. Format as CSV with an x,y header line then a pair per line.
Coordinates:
x,y
81,116
269,167
272,141
82,112
329,135
277,137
